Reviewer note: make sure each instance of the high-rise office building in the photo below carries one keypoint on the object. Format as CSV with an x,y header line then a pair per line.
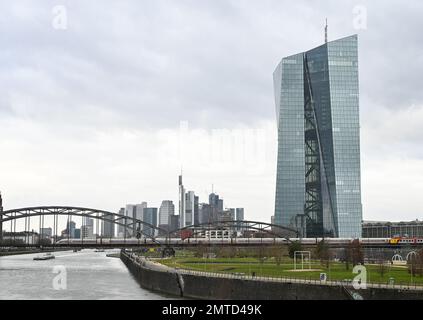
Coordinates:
x,y
233,213
130,212
108,226
70,230
139,215
167,209
239,212
181,203
196,210
174,223
214,200
87,228
150,216
190,204
205,213
46,233
318,188
121,228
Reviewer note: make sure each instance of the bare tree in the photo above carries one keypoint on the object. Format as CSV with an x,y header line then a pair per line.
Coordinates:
x,y
293,247
322,252
382,268
277,254
355,252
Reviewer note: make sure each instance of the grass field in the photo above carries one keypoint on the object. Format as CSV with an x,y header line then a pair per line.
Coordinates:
x,y
336,270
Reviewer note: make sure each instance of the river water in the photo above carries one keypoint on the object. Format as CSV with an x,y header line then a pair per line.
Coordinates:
x,y
83,275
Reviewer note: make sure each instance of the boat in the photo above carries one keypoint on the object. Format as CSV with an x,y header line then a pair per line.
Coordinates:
x,y
99,250
47,256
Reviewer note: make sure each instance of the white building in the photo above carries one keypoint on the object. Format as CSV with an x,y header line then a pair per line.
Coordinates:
x,y
181,203
167,209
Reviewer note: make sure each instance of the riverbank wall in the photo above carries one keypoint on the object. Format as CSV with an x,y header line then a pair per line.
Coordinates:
x,y
210,286
21,252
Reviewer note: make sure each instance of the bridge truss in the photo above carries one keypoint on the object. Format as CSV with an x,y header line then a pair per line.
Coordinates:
x,y
138,227
261,229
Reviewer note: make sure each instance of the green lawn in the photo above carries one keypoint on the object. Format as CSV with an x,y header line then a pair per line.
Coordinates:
x,y
336,271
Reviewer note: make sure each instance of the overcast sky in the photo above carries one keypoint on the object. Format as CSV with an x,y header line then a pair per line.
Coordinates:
x,y
103,102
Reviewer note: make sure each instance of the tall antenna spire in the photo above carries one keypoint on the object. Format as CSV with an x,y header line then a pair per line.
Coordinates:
x,y
326,31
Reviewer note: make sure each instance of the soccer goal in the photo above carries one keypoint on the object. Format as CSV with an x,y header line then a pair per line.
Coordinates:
x,y
302,259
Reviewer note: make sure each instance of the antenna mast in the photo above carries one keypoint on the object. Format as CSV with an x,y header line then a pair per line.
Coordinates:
x,y
326,31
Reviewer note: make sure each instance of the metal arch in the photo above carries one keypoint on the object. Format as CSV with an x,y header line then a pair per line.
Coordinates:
x,y
252,225
9,215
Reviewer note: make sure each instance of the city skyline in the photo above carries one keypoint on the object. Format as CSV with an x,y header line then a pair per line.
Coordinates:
x,y
51,118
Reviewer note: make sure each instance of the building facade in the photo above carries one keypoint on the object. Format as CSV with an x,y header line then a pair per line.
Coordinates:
x,y
383,229
87,229
318,184
121,228
150,216
181,203
108,227
167,209
139,215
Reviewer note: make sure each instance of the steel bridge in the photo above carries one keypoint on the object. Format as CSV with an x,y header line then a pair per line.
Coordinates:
x,y
137,226
143,234
148,232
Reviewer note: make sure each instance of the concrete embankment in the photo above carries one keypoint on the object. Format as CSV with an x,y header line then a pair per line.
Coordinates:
x,y
14,253
199,285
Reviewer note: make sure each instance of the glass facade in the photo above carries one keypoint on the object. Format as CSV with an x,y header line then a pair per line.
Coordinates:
x,y
318,189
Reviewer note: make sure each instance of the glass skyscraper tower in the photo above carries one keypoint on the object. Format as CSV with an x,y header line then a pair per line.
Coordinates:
x,y
318,188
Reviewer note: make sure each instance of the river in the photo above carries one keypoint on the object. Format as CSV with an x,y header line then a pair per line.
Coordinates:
x,y
83,275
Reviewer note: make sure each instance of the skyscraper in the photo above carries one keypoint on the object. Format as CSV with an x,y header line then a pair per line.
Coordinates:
x,y
190,204
139,215
121,228
318,188
87,228
239,214
167,209
108,226
131,212
150,216
181,203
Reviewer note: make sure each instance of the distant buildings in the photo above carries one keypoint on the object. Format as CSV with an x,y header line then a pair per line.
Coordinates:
x,y
174,223
46,233
138,215
239,214
27,237
383,229
191,212
120,227
69,232
181,203
87,229
150,216
108,227
130,211
166,211
206,213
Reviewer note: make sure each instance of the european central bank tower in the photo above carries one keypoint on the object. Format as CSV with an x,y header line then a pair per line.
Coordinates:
x,y
318,189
